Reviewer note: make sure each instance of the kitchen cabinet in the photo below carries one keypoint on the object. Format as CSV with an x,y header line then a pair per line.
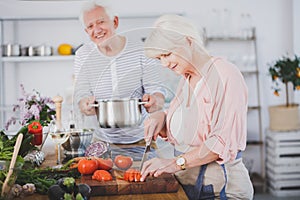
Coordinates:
x,y
242,51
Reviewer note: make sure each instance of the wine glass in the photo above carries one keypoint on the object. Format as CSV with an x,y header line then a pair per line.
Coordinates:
x,y
59,135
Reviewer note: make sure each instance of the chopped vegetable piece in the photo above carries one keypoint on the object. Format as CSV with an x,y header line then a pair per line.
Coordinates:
x,y
102,175
132,175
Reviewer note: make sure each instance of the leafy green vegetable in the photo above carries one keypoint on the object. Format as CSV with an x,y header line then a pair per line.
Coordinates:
x,y
79,196
68,196
69,182
43,178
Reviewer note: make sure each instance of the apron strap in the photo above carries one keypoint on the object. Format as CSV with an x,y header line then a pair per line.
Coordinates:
x,y
223,193
199,182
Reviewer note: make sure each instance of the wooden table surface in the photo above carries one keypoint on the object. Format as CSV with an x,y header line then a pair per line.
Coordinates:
x,y
180,195
50,160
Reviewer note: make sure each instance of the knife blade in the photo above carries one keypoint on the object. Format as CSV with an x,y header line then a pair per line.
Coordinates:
x,y
145,154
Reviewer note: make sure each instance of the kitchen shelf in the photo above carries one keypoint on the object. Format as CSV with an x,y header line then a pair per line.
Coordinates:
x,y
37,58
230,39
252,37
249,72
14,25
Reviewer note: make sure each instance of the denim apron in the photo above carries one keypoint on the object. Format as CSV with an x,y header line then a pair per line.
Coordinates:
x,y
200,191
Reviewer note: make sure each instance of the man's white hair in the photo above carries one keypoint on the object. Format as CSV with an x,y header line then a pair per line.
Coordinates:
x,y
89,5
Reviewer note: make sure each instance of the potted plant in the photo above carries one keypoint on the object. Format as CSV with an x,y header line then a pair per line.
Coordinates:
x,y
287,71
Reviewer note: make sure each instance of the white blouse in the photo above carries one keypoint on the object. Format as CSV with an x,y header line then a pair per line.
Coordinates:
x,y
185,115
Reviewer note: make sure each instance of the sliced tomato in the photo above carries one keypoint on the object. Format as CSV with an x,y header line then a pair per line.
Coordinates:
x,y
102,175
132,175
105,164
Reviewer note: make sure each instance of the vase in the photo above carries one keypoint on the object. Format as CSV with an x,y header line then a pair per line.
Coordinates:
x,y
284,118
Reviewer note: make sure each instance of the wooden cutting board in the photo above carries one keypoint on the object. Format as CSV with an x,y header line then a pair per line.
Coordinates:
x,y
165,183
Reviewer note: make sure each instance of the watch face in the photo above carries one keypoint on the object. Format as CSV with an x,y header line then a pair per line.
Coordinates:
x,y
180,161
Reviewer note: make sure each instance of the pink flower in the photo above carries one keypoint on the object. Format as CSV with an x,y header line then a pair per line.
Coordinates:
x,y
35,111
32,107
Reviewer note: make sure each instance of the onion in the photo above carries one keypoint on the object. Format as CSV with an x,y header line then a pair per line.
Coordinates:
x,y
97,149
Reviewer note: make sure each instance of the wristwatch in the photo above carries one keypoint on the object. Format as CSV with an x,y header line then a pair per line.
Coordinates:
x,y
180,161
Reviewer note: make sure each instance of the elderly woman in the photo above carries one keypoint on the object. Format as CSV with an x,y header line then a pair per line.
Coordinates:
x,y
206,121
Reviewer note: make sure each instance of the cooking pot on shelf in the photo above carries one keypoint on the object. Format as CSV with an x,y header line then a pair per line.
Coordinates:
x,y
119,113
43,50
28,51
11,50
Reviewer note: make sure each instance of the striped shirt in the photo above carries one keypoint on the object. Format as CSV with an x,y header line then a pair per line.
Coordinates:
x,y
127,75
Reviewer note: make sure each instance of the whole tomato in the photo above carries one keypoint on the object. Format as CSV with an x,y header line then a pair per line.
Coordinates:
x,y
105,164
102,175
123,162
87,166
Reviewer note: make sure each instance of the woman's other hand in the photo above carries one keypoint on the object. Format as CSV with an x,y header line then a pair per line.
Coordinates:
x,y
154,125
84,105
157,166
155,102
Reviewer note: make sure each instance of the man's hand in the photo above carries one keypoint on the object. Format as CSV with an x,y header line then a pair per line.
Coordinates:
x,y
155,102
84,105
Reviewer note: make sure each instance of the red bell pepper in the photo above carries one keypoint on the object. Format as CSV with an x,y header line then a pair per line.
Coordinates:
x,y
36,129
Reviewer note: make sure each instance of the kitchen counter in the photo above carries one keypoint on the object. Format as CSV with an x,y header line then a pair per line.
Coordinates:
x,y
50,160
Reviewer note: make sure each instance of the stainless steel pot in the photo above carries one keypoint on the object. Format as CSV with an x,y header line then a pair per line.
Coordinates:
x,y
119,113
43,50
28,51
11,50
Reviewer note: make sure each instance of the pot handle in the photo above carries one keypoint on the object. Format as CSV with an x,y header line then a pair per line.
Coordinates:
x,y
143,102
94,105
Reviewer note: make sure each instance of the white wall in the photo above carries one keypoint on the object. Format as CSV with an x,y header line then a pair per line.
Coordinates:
x,y
296,26
296,36
273,20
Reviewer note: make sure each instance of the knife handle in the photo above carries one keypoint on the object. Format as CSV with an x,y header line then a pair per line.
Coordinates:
x,y
148,142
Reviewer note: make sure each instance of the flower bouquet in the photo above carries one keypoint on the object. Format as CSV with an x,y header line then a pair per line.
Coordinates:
x,y
34,112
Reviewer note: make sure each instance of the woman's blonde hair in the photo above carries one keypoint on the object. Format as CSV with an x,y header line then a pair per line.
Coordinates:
x,y
170,32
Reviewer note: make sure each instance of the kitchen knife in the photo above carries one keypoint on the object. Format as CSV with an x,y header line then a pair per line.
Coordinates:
x,y
145,154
